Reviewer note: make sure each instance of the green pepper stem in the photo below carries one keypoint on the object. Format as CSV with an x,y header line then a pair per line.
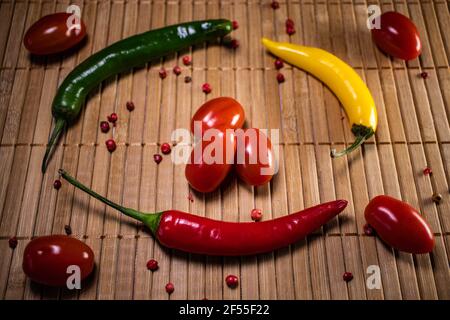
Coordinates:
x,y
150,220
360,139
59,126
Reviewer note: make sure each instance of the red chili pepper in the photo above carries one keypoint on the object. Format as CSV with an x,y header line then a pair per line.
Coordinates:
x,y
200,235
399,225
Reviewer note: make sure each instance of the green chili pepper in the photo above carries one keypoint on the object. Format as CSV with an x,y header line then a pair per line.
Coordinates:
x,y
119,57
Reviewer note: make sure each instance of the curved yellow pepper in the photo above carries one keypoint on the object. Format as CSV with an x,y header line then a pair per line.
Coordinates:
x,y
346,84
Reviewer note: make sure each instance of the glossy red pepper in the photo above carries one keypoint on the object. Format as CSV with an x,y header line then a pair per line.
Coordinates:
x,y
255,161
46,259
50,34
219,113
204,171
194,234
399,225
397,36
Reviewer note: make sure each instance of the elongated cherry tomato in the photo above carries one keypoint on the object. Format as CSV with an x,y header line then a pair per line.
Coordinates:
x,y
397,36
50,34
219,113
46,259
211,160
399,225
254,157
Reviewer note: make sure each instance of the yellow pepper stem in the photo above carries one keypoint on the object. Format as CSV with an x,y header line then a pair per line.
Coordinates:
x,y
362,133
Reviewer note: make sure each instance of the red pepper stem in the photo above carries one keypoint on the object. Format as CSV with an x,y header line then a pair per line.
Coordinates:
x,y
151,220
59,126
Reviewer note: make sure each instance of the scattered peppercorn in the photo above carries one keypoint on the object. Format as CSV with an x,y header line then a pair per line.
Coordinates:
x,y
190,197
12,242
177,70
279,64
152,265
187,60
437,198
427,171
104,126
290,30
170,288
165,148
162,73
206,88
232,281
57,184
348,276
368,230
187,79
130,106
110,145
68,229
424,74
235,24
256,214
113,117
280,78
289,23
275,5
157,158
234,44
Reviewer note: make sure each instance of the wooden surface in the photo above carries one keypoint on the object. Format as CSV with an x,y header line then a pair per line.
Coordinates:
x,y
413,133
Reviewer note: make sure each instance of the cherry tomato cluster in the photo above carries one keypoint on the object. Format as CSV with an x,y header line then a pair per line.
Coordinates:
x,y
219,123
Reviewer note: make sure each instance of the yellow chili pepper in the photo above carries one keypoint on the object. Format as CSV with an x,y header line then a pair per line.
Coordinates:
x,y
346,84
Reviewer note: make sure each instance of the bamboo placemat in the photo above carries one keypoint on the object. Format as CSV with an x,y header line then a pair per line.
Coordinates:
x,y
413,133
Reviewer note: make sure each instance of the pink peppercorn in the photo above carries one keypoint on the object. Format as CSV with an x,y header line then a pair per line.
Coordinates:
x,y
231,281
113,117
290,30
170,288
130,106
162,73
157,158
279,64
256,214
165,148
424,74
206,88
12,242
177,70
280,78
289,23
235,24
57,184
110,145
187,60
275,5
347,276
427,171
152,265
104,126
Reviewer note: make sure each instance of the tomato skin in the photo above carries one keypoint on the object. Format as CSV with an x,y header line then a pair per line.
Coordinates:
x,y
220,113
45,259
248,171
204,176
399,225
397,36
50,35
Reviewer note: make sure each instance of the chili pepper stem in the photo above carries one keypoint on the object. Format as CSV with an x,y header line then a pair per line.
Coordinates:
x,y
151,220
59,126
361,136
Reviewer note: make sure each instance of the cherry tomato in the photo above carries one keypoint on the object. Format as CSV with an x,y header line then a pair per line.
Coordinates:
x,y
399,225
46,259
211,160
50,34
219,113
254,157
397,36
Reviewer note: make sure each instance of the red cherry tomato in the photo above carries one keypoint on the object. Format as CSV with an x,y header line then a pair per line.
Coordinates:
x,y
254,157
397,36
211,161
46,259
50,34
219,113
399,225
